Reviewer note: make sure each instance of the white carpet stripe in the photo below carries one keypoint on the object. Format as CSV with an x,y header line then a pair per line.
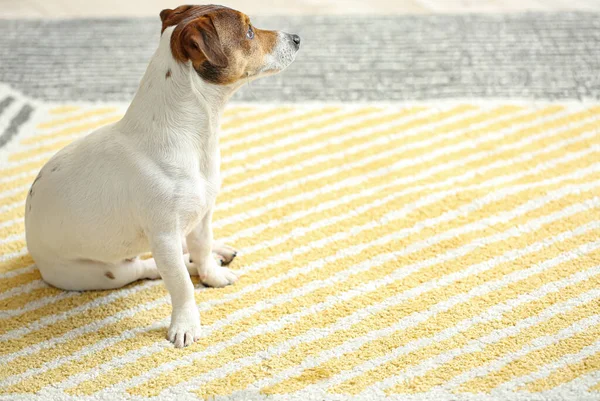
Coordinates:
x,y
585,381
36,304
415,318
494,313
17,272
538,343
258,136
546,314
43,132
378,388
24,289
9,178
11,238
50,137
547,369
13,255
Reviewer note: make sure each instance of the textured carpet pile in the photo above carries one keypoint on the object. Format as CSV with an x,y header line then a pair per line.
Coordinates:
x,y
410,250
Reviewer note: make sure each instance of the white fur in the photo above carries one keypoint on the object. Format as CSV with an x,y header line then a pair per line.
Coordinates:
x,y
141,184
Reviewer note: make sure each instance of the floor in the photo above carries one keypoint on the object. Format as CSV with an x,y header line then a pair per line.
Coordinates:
x,y
106,8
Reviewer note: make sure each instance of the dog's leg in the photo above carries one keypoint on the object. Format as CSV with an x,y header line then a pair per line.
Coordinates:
x,y
199,243
185,318
83,275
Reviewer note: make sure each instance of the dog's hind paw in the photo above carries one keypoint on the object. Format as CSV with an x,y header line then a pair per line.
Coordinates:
x,y
224,253
218,276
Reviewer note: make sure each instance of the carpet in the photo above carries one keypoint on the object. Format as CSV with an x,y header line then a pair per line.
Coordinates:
x,y
393,244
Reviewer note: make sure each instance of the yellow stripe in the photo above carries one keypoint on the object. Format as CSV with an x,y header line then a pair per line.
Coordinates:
x,y
178,375
77,320
242,378
474,307
70,119
22,299
317,167
232,111
64,109
13,282
278,125
22,168
16,228
381,346
595,387
564,374
256,117
427,134
532,361
368,123
342,143
19,266
10,185
369,167
415,169
79,129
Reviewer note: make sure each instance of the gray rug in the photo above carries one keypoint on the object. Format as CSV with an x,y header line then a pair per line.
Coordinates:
x,y
535,56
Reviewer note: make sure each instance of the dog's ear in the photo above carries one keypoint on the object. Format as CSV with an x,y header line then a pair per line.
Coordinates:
x,y
164,14
202,41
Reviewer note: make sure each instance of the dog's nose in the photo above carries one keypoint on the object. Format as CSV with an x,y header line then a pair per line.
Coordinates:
x,y
296,40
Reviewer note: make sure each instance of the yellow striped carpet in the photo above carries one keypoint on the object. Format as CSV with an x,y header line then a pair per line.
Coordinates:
x,y
416,251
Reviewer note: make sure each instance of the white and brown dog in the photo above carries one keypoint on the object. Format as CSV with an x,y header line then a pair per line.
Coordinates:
x,y
149,181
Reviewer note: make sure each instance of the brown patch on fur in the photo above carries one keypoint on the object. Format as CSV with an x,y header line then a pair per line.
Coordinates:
x,y
168,74
110,275
214,39
268,40
34,181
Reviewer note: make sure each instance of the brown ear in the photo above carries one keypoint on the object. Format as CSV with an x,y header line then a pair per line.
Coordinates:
x,y
203,38
164,14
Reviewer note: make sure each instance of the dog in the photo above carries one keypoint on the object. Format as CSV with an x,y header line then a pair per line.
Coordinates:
x,y
148,182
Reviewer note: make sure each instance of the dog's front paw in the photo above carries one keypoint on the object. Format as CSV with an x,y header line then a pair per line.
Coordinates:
x,y
217,276
185,326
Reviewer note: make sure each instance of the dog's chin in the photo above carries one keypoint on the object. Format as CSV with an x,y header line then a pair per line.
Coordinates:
x,y
274,67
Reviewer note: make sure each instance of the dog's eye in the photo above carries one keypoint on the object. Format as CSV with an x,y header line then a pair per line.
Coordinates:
x,y
250,33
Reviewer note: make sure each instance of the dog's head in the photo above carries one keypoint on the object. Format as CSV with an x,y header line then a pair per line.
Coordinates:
x,y
223,45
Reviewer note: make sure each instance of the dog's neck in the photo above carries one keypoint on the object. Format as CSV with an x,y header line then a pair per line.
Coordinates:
x,y
175,108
